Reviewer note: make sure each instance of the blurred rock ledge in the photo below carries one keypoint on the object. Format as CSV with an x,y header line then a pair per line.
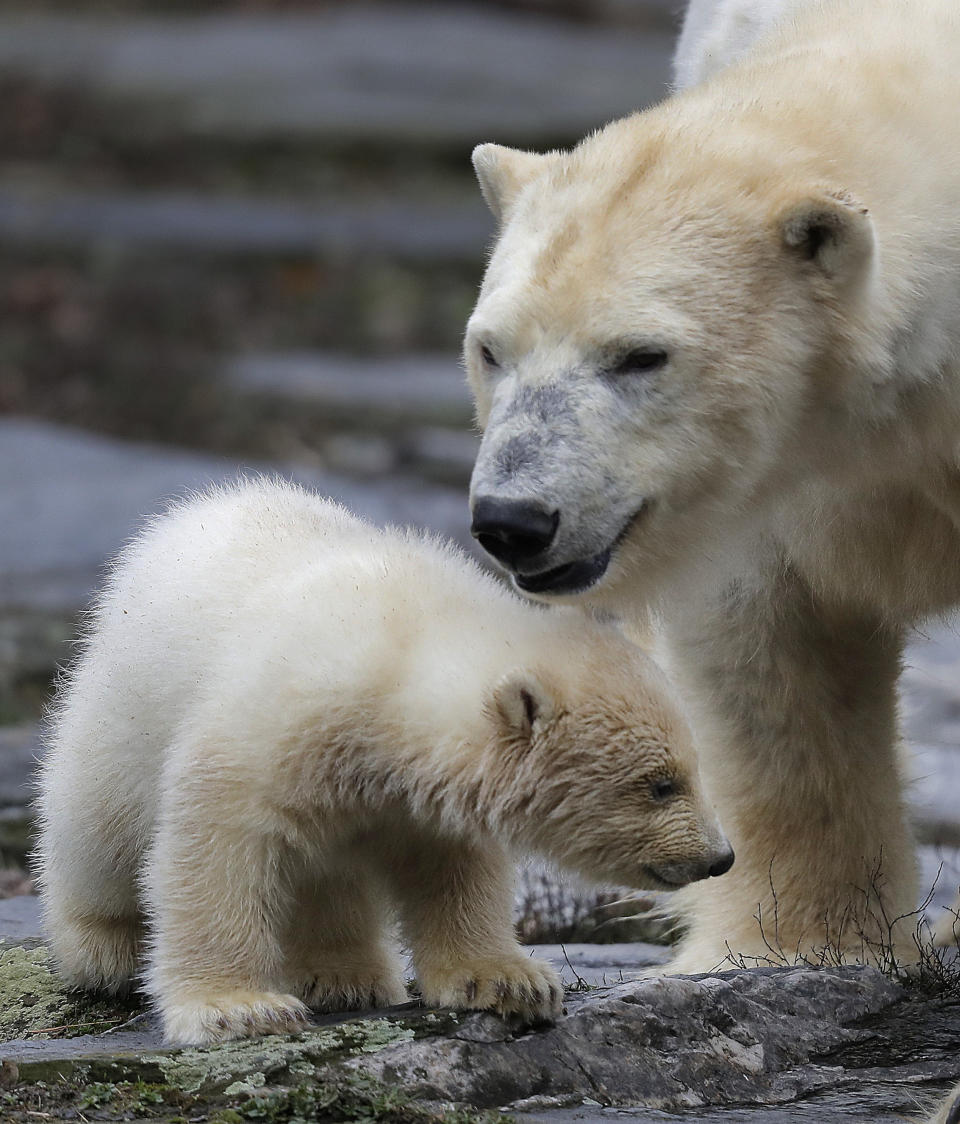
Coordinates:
x,y
42,216
419,389
417,73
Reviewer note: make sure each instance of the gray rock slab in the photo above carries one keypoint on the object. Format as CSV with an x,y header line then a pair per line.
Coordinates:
x,y
69,499
398,73
760,1047
688,1045
57,218
20,918
740,1038
885,1106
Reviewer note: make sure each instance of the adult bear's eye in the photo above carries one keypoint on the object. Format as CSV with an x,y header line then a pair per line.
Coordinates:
x,y
488,357
641,361
663,789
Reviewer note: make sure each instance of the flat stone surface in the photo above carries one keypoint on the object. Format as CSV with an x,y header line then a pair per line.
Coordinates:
x,y
763,1037
20,918
70,499
384,72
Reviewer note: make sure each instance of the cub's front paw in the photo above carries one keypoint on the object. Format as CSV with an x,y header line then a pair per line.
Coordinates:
x,y
510,985
238,1014
326,990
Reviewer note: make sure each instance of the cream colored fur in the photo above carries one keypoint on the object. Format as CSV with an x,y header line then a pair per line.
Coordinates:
x,y
284,719
780,246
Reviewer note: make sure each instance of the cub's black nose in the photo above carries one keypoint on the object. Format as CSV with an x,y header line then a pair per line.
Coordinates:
x,y
722,865
513,531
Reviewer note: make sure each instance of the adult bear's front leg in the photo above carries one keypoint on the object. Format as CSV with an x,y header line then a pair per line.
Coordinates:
x,y
796,718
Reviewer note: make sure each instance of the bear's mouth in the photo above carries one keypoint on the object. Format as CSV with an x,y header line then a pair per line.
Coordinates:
x,y
658,882
580,574
572,577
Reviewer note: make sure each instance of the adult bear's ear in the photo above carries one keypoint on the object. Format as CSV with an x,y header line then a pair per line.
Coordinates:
x,y
833,231
520,700
504,172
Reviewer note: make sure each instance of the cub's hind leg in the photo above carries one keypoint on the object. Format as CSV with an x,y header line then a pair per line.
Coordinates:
x,y
86,863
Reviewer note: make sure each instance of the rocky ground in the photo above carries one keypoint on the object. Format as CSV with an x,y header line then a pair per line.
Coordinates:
x,y
245,236
766,1046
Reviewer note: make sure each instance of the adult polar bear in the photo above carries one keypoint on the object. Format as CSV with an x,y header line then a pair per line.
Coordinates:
x,y
716,32
716,356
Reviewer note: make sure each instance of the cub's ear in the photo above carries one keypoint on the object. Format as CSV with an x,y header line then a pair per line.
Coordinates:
x,y
833,230
520,700
503,172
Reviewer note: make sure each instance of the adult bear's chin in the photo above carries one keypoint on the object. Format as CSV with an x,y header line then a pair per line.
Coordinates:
x,y
572,577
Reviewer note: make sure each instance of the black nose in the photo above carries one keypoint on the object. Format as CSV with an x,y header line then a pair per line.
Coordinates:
x,y
721,866
513,531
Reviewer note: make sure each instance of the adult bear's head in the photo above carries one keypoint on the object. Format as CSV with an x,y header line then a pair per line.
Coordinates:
x,y
673,330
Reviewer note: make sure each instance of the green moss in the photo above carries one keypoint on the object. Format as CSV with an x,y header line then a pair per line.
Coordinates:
x,y
31,997
73,1098
253,1061
35,1003
253,1082
355,1099
333,1099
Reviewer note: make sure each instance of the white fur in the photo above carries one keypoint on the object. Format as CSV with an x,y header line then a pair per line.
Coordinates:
x,y
284,718
785,485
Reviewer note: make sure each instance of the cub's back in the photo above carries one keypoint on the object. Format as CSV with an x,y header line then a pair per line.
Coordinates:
x,y
174,596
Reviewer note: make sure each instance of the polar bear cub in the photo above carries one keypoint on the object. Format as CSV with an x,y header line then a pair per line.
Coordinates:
x,y
286,723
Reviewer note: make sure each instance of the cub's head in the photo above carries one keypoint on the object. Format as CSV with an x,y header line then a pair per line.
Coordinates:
x,y
600,775
668,338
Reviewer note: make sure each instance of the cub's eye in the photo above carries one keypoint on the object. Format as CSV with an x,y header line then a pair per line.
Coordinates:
x,y
488,357
641,361
663,789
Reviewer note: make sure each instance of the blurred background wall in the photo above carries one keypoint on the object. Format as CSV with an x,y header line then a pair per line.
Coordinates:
x,y
250,231
246,234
